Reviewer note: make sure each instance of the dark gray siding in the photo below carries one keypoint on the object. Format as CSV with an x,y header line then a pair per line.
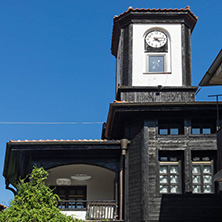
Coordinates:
x,y
186,56
133,132
155,94
144,203
160,207
127,56
191,207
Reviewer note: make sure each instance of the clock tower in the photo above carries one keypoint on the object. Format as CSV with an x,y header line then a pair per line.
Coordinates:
x,y
153,55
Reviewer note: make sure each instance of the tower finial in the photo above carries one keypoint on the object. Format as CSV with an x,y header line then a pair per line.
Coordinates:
x,y
130,8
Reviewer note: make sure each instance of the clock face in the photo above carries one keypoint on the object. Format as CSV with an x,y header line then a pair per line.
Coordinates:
x,y
156,39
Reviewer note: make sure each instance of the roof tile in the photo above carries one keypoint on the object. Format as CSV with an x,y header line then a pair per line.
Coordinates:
x,y
157,10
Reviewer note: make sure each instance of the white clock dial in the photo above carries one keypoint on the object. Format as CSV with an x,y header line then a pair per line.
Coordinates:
x,y
156,39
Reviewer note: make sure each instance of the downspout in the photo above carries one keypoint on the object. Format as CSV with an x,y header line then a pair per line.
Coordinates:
x,y
7,183
124,144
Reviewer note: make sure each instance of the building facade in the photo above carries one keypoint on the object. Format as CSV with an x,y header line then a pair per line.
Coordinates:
x,y
157,156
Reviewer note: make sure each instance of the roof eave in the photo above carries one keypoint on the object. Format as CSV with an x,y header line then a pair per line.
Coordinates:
x,y
138,14
205,81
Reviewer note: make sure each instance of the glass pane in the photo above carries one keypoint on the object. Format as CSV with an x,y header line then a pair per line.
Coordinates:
x,y
174,189
163,158
163,189
207,169
163,179
174,179
174,131
207,179
80,205
156,63
196,158
196,179
71,204
195,130
80,191
174,169
173,159
206,130
72,192
163,169
62,192
163,131
196,189
207,189
196,170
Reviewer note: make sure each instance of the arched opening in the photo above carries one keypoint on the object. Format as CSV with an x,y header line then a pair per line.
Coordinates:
x,y
86,191
157,50
99,182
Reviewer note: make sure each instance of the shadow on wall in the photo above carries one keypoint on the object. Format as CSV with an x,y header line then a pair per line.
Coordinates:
x,y
191,207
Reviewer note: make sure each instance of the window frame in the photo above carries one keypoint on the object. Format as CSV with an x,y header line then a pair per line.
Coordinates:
x,y
168,126
201,174
67,195
148,55
201,125
164,51
168,174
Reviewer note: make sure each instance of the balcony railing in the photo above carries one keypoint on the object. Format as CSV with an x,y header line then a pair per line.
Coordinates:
x,y
95,210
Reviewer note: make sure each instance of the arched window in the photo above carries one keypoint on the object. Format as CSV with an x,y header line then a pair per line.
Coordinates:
x,y
157,51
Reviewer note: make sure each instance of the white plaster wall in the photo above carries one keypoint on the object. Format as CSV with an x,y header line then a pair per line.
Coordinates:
x,y
76,214
99,187
139,78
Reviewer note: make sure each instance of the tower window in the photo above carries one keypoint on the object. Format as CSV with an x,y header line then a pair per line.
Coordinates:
x,y
157,52
156,63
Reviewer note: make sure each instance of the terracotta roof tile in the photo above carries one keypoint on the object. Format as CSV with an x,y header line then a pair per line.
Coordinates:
x,y
118,101
2,206
156,10
122,20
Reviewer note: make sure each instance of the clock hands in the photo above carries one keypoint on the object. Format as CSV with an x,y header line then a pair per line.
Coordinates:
x,y
158,39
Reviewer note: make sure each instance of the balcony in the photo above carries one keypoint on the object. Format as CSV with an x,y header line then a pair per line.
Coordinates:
x,y
87,192
89,210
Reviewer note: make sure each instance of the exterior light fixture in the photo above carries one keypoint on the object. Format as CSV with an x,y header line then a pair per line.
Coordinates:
x,y
81,177
63,181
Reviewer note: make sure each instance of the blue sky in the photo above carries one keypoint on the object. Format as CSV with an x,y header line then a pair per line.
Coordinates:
x,y
56,65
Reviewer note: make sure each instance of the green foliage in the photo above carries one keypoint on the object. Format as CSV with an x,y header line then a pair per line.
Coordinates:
x,y
35,202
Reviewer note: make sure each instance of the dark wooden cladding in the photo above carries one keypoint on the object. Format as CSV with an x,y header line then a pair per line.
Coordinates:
x,y
140,122
22,156
126,68
219,147
190,207
186,56
156,95
145,202
133,132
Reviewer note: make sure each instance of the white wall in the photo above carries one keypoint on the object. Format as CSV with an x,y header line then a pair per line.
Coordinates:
x,y
99,187
139,77
75,214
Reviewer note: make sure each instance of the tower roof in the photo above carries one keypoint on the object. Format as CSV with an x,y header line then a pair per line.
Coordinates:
x,y
183,15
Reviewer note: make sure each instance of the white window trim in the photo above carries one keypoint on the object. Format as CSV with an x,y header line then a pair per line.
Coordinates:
x,y
166,63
